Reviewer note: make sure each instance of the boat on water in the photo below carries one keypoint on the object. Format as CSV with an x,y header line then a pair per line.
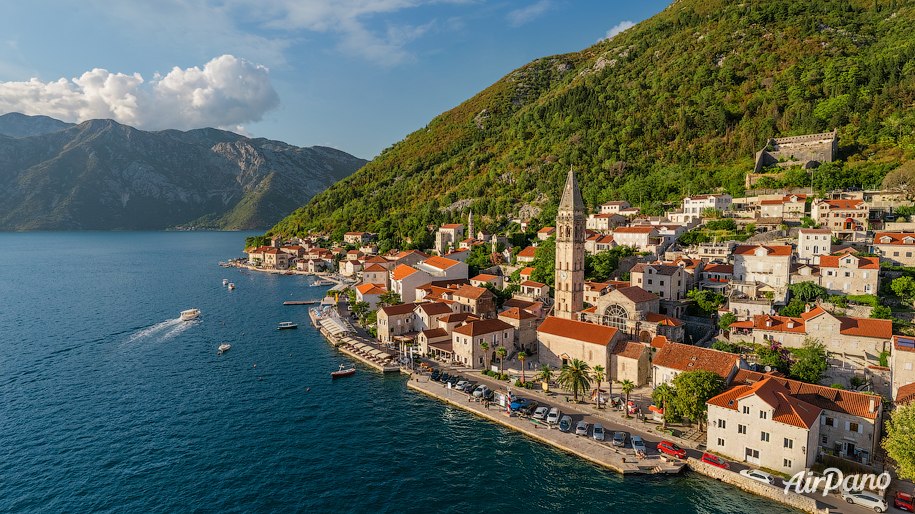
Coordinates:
x,y
322,282
190,314
231,286
286,325
343,372
225,282
223,348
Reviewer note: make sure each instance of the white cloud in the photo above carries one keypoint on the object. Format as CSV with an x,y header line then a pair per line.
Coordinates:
x,y
618,28
226,92
523,15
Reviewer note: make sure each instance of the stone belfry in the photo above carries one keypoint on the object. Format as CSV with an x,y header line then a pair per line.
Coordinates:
x,y
470,233
570,252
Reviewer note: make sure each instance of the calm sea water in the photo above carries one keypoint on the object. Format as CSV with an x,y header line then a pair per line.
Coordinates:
x,y
108,403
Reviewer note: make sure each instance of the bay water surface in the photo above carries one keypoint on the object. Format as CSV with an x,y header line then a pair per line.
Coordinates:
x,y
109,403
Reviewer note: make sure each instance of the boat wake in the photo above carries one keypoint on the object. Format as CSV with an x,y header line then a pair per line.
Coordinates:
x,y
161,331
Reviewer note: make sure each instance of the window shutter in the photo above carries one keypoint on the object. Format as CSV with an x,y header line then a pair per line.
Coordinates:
x,y
847,426
860,428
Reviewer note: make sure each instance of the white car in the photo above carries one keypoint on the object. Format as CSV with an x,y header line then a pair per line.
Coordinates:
x,y
553,417
598,432
581,428
460,385
638,444
866,499
758,475
540,412
481,391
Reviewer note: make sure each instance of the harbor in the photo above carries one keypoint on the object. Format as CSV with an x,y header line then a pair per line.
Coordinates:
x,y
343,336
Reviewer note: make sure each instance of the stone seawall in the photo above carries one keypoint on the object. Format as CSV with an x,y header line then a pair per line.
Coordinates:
x,y
775,493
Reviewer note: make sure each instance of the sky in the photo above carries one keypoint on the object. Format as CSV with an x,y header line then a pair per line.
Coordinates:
x,y
357,75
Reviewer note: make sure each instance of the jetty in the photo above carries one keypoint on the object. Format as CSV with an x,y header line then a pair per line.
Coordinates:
x,y
342,336
301,302
621,460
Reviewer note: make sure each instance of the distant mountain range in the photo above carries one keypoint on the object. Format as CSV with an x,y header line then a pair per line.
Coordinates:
x,y
102,175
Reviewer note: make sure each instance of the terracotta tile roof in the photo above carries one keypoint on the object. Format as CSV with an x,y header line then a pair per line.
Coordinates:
x,y
396,310
843,204
815,231
531,283
779,250
546,230
376,259
772,202
452,225
357,233
634,230
407,253
659,341
445,346
827,398
457,317
403,271
661,319
441,263
659,269
432,333
590,310
472,292
527,271
786,408
530,251
433,308
365,289
685,357
726,269
832,261
617,202
905,394
516,313
517,302
637,294
485,277
904,343
578,330
629,349
596,286
866,327
481,327
375,268
895,238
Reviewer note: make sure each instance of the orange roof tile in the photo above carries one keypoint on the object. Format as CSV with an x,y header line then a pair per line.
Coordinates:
x,y
634,230
661,319
433,333
895,238
403,271
396,310
637,294
482,327
832,261
905,394
787,409
441,263
472,292
434,308
546,230
531,283
659,341
578,330
530,251
779,250
685,357
516,313
843,204
629,349
527,271
375,268
828,398
365,289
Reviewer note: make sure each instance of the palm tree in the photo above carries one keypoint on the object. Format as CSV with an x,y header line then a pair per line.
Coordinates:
x,y
501,352
627,387
545,375
575,376
599,377
521,356
485,347
663,394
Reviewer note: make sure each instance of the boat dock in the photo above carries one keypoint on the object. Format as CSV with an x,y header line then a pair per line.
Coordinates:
x,y
301,302
344,339
602,454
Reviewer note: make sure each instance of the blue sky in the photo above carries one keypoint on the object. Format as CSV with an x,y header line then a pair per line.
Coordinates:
x,y
357,75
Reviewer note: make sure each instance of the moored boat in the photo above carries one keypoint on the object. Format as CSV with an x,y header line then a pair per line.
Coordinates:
x,y
342,372
286,325
190,314
225,282
231,286
223,348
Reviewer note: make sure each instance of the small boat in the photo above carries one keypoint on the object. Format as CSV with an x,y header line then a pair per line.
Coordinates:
x,y
342,372
190,314
286,325
223,348
231,286
321,282
225,282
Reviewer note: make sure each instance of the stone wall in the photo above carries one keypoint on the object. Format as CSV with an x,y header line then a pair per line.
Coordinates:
x,y
775,493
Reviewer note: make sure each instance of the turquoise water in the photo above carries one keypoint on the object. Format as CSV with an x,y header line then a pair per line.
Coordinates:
x,y
107,403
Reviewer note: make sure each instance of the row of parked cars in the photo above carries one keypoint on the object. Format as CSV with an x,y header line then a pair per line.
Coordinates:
x,y
459,383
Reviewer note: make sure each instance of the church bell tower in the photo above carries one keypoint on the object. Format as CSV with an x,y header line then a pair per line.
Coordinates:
x,y
570,252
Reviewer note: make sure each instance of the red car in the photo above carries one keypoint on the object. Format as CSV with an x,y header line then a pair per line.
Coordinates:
x,y
671,449
715,460
903,501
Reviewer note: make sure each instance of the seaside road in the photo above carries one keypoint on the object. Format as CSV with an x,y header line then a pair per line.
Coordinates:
x,y
832,501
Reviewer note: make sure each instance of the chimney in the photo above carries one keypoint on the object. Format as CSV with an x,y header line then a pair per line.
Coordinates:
x,y
872,405
790,323
768,322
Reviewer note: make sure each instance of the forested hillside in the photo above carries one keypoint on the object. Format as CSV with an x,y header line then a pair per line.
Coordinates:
x,y
677,104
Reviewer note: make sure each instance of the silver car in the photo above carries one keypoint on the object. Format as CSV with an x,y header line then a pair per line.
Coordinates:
x,y
581,428
553,417
619,439
867,499
541,412
597,432
638,444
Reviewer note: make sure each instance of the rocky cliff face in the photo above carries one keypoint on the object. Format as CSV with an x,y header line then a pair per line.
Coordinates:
x,y
101,175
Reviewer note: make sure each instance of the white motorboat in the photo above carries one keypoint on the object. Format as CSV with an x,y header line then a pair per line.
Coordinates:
x,y
286,325
225,282
190,314
224,347
231,286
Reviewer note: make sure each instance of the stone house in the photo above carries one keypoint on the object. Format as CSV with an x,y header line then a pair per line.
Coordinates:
x,y
375,274
447,237
812,243
357,238
405,279
395,320
478,301
630,360
667,281
902,362
644,238
766,264
849,274
847,219
897,248
694,205
561,340
675,358
527,255
614,207
525,324
370,293
466,340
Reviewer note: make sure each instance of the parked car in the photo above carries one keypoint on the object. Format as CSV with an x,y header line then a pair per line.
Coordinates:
x,y
460,385
597,432
481,391
758,475
619,439
581,428
715,460
541,412
638,444
565,423
469,387
435,374
519,403
866,499
671,449
553,417
904,501
529,409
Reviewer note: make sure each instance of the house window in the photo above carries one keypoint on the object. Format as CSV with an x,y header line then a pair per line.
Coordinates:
x,y
830,422
763,414
649,281
789,443
764,437
787,463
721,423
746,409
741,429
824,440
720,442
853,427
752,454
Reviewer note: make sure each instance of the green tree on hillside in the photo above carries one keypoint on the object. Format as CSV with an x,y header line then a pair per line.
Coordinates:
x,y
692,390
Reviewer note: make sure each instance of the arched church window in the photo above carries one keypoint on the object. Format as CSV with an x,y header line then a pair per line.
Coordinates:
x,y
615,316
